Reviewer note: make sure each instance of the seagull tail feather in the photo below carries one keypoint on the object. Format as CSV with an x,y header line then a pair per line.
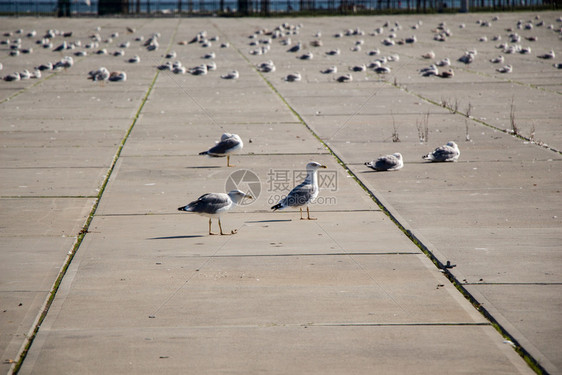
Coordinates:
x,y
278,206
184,208
204,153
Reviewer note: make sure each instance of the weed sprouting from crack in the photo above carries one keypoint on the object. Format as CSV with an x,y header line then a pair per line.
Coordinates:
x,y
423,128
514,127
469,110
532,133
466,134
395,136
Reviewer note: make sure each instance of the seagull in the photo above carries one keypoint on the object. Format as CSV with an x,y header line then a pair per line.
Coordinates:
x,y
468,57
293,77
505,69
198,70
447,74
213,205
303,194
497,60
358,68
448,152
387,163
330,70
306,56
295,48
429,71
232,75
166,66
118,76
228,144
444,62
102,74
345,78
12,77
134,60
547,56
266,67
382,70
429,55
333,52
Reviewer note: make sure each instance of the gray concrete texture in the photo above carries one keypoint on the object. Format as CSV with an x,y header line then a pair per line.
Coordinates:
x,y
148,290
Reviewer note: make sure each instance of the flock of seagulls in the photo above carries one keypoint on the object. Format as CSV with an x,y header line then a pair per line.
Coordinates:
x,y
261,42
70,49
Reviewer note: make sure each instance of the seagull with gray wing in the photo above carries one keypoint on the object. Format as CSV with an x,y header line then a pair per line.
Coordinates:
x,y
303,194
213,205
387,163
228,144
448,152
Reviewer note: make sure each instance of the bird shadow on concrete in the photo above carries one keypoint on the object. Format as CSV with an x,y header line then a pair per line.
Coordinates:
x,y
206,167
175,237
268,221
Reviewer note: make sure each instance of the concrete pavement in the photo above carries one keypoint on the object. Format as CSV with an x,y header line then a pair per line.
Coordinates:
x,y
146,289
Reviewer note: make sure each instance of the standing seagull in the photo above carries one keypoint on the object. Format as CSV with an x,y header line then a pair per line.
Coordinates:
x,y
448,152
387,163
228,144
303,194
214,205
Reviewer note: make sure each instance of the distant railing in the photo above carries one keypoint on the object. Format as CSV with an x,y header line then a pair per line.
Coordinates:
x,y
254,7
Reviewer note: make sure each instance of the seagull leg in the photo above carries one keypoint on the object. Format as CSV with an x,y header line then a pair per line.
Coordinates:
x,y
308,214
302,218
228,161
224,234
211,233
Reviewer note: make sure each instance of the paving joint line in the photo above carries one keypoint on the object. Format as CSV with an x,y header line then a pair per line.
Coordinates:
x,y
16,366
525,355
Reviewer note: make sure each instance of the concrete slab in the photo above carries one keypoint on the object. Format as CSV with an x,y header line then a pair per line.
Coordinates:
x,y
44,182
43,217
327,350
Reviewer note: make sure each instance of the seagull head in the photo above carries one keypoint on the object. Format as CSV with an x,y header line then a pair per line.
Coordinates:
x,y
452,144
398,155
238,196
313,166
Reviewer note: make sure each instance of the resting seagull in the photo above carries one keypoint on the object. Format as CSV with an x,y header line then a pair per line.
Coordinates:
x,y
213,205
303,194
228,144
387,163
448,152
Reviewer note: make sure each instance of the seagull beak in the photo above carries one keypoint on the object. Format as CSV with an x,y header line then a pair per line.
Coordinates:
x,y
248,196
323,166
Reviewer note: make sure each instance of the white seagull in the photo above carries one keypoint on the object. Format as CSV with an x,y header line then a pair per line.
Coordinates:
x,y
448,152
228,144
213,205
303,194
387,163
232,75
